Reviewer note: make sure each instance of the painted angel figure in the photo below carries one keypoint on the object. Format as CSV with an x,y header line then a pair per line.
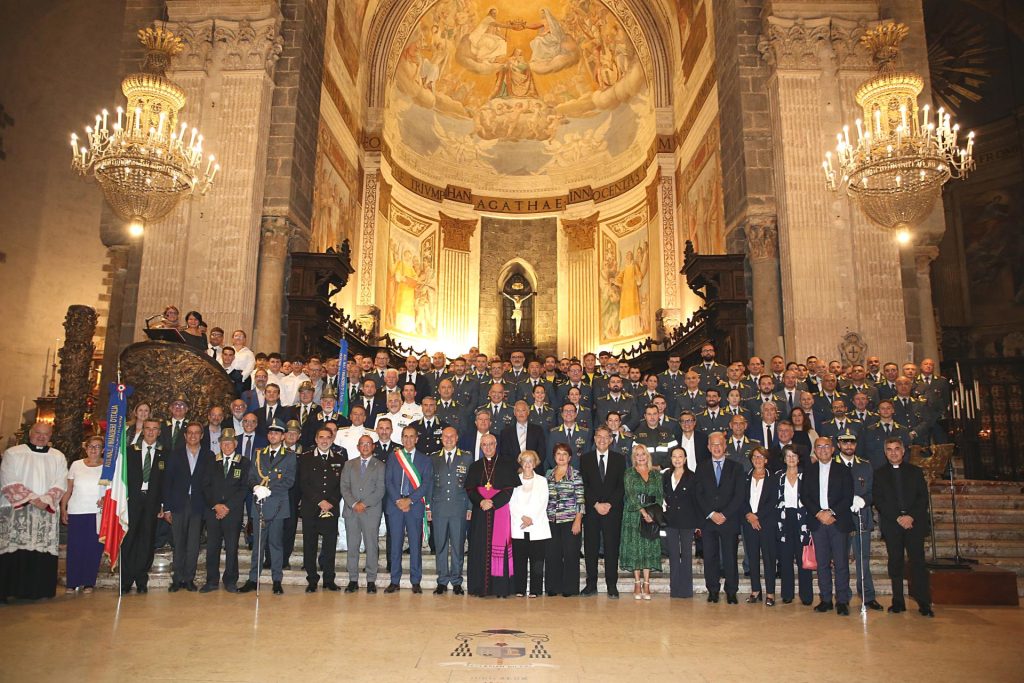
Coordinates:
x,y
517,308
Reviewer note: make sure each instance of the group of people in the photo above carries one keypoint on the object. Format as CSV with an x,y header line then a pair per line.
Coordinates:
x,y
506,470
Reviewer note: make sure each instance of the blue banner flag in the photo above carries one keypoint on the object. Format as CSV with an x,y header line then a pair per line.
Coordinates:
x,y
117,415
343,376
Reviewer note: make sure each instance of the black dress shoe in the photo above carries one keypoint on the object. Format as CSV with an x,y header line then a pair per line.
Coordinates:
x,y
873,604
712,597
730,598
440,590
588,591
392,588
457,590
173,588
248,587
278,590
311,588
190,586
806,603
926,611
371,587
230,588
352,587
824,607
613,594
331,586
266,564
208,588
842,609
897,607
787,601
142,589
416,588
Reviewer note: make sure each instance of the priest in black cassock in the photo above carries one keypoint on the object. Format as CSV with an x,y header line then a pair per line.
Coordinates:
x,y
489,483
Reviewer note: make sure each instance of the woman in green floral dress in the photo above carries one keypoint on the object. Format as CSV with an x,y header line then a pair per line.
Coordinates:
x,y
636,553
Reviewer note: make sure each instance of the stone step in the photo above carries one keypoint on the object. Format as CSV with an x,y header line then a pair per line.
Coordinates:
x,y
979,486
979,516
994,501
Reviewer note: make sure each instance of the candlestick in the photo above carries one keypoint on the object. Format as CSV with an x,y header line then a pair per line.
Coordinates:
x,y
977,396
46,370
21,411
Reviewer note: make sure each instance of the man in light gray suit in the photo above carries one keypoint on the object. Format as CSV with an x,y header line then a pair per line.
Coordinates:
x,y
448,509
362,488
274,469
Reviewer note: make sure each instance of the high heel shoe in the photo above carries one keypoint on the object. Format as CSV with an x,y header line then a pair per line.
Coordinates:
x,y
647,590
769,602
636,590
754,598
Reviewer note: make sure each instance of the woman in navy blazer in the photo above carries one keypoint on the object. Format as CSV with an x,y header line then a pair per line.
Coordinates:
x,y
681,518
791,529
759,526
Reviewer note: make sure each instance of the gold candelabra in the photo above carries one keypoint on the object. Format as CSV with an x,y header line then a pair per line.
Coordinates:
x,y
142,161
901,158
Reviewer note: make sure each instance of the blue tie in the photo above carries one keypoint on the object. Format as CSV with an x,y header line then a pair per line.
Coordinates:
x,y
718,472
362,467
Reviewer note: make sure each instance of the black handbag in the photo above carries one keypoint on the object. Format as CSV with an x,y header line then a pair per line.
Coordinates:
x,y
651,530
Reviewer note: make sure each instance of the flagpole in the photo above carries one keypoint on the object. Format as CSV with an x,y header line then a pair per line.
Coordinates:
x,y
120,564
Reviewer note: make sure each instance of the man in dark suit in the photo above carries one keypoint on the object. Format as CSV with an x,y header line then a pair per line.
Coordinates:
x,y
408,478
470,440
255,397
320,486
719,493
272,408
826,490
225,486
146,463
373,403
901,497
603,472
212,430
172,434
521,435
184,504
413,376
764,429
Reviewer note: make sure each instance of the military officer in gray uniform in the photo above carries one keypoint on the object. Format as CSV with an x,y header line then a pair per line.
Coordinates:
x,y
619,401
450,410
272,474
862,481
671,381
501,412
711,373
448,510
659,440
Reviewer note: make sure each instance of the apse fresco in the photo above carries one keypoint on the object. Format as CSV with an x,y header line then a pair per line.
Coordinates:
x,y
411,292
624,283
531,88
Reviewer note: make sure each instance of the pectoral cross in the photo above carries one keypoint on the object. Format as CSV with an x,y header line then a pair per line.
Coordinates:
x,y
488,486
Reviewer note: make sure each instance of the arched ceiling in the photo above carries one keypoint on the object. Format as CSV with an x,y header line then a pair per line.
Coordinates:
x,y
517,95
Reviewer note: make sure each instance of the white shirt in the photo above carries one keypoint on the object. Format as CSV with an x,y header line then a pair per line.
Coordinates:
x,y
688,445
348,438
476,448
290,387
792,493
755,492
245,361
87,491
823,470
530,500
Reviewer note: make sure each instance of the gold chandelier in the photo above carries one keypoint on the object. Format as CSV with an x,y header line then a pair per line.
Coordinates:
x,y
901,159
142,160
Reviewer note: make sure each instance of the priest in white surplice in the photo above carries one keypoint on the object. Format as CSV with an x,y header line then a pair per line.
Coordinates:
x,y
33,478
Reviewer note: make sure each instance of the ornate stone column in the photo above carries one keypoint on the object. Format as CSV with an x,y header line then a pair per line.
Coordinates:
x,y
204,255
275,231
583,319
923,257
455,321
75,364
763,253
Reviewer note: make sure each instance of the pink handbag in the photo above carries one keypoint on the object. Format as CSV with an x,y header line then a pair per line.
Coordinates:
x,y
809,560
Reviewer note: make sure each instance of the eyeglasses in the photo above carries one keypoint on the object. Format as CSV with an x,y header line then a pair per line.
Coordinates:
x,y
822,445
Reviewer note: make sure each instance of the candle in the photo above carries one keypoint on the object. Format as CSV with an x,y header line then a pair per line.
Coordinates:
x,y
216,168
21,412
192,140
977,395
903,115
120,112
104,119
878,122
860,132
924,117
138,120
46,371
160,124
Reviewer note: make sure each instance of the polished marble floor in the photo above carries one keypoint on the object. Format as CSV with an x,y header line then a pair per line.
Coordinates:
x,y
412,638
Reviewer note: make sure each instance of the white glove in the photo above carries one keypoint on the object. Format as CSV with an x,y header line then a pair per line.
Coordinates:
x,y
858,504
261,492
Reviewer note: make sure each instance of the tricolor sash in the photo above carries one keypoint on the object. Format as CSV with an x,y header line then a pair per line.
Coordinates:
x,y
409,467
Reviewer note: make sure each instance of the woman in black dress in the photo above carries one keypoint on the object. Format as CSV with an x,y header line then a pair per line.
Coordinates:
x,y
193,333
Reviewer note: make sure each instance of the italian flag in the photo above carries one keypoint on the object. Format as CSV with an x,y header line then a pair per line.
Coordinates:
x,y
114,523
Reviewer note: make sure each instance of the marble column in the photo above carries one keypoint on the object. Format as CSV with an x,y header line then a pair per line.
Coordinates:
x,y
455,323
763,253
275,232
838,272
923,257
204,255
583,314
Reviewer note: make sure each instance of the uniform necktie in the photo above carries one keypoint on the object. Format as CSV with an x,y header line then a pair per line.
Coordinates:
x,y
366,404
305,414
247,451
600,467
449,458
718,472
426,425
227,466
176,431
928,381
147,464
888,429
494,410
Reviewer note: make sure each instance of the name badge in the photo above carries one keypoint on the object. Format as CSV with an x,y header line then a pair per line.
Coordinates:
x,y
160,465
238,474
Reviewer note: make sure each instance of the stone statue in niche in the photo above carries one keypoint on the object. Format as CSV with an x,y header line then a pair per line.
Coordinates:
x,y
517,309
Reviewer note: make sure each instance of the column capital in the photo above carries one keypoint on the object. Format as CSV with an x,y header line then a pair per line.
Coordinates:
x,y
794,43
197,41
762,234
457,232
580,232
248,45
275,231
923,257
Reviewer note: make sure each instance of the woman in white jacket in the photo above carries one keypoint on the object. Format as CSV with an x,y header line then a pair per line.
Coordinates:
x,y
530,530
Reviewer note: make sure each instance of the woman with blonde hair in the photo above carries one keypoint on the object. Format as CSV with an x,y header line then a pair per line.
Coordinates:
x,y
530,528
